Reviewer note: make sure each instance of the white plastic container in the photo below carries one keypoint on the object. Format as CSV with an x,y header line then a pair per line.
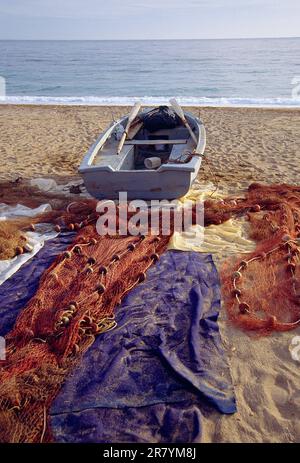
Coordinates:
x,y
152,163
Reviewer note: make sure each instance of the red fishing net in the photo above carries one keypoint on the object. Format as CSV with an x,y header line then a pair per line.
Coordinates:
x,y
78,295
75,302
261,290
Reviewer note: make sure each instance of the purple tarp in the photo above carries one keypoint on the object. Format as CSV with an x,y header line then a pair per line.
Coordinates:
x,y
20,287
145,380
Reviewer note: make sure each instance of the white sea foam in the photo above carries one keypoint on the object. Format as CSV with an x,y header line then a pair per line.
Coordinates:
x,y
151,100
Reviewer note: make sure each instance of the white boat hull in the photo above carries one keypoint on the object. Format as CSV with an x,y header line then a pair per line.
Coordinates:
x,y
106,175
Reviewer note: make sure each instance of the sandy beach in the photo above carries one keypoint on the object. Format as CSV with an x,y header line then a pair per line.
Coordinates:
x,y
243,146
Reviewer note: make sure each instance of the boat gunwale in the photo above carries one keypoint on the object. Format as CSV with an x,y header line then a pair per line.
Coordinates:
x,y
190,166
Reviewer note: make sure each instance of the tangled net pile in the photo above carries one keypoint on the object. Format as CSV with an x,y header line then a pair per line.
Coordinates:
x,y
12,240
261,291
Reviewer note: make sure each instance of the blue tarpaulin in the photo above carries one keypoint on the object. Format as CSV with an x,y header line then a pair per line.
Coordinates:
x,y
145,380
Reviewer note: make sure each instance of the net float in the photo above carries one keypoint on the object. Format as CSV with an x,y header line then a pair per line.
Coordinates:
x,y
73,303
131,247
244,307
65,320
115,257
236,275
57,228
91,260
19,250
142,237
67,255
155,257
142,277
156,239
72,308
236,292
103,269
32,227
77,226
68,314
256,208
89,270
71,226
243,264
93,241
77,249
101,288
27,247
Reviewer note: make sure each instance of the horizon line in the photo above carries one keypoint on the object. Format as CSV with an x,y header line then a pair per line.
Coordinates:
x,y
148,40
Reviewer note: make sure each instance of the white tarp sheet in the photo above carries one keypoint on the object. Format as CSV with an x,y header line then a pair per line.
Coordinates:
x,y
36,239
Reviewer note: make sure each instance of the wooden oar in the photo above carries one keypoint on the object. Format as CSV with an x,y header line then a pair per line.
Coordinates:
x,y
132,115
178,110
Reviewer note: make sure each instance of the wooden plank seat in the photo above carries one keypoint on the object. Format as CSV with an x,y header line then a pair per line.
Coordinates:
x,y
155,142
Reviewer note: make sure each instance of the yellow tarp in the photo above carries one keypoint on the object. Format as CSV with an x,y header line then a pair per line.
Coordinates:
x,y
227,238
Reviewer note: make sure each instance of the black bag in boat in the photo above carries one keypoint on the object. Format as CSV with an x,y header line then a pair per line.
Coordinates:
x,y
160,118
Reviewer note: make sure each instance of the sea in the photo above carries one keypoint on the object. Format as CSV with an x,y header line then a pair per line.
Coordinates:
x,y
238,72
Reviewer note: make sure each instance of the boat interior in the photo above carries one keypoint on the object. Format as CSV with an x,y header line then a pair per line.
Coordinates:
x,y
169,145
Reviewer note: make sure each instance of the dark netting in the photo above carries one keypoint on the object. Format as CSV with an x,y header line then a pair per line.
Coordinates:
x,y
159,118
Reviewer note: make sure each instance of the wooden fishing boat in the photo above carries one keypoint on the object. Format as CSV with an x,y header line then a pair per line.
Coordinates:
x,y
152,154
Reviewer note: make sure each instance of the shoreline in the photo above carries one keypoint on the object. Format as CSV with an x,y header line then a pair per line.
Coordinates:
x,y
90,101
144,105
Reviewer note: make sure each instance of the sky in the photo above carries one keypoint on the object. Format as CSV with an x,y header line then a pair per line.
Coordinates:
x,y
148,19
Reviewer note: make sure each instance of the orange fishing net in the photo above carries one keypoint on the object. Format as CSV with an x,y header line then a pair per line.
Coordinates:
x,y
261,290
21,191
13,231
12,240
74,303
